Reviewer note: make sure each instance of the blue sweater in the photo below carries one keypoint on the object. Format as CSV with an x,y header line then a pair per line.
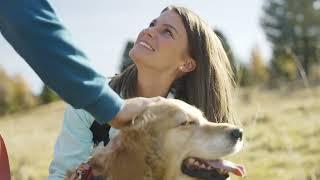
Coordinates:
x,y
37,35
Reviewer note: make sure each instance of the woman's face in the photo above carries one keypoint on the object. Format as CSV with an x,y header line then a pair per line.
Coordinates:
x,y
163,45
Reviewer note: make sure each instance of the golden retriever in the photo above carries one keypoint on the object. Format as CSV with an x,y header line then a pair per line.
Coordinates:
x,y
170,140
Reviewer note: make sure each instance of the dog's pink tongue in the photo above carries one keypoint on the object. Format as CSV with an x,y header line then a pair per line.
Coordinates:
x,y
229,166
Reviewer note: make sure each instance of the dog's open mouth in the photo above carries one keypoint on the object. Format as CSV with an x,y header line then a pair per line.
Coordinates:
x,y
211,169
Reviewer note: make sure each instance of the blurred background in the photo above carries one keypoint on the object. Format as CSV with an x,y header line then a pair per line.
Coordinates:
x,y
274,48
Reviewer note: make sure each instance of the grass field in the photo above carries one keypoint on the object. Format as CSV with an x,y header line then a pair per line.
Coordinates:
x,y
282,132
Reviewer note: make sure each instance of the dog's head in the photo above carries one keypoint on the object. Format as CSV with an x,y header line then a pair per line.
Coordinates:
x,y
186,143
170,140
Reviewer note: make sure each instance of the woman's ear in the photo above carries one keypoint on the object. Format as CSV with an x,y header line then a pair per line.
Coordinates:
x,y
188,65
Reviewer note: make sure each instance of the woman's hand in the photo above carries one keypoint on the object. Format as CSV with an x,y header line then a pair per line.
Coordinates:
x,y
131,108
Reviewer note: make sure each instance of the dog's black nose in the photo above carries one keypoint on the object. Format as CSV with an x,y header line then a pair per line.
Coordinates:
x,y
236,134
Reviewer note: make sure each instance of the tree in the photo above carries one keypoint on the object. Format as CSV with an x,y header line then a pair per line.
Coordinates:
x,y
22,95
15,95
258,69
47,95
6,92
243,75
126,60
294,25
228,50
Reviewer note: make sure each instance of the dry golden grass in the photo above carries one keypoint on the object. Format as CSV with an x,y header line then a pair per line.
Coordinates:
x,y
30,137
282,131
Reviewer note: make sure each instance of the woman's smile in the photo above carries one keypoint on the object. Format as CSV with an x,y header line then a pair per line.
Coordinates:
x,y
146,45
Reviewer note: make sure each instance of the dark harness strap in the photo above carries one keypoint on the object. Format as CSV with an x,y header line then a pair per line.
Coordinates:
x,y
100,133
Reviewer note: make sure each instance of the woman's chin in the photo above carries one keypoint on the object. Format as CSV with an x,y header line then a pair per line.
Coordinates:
x,y
140,56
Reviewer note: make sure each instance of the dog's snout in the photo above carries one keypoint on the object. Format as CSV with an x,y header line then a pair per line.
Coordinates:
x,y
237,134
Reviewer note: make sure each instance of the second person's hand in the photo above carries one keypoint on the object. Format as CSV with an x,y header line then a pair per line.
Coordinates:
x,y
131,108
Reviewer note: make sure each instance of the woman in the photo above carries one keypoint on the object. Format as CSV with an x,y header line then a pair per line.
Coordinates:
x,y
177,54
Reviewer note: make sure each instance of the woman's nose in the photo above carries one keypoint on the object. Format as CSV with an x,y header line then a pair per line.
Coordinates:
x,y
149,32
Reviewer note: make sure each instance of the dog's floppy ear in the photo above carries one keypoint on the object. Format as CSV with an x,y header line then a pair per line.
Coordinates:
x,y
118,161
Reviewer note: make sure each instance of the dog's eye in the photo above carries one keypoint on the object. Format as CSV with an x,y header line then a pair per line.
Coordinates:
x,y
186,123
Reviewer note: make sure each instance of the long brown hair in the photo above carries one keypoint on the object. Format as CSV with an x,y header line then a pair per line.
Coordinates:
x,y
209,86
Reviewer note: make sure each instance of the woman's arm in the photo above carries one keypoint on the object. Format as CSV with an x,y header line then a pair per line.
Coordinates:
x,y
74,144
38,36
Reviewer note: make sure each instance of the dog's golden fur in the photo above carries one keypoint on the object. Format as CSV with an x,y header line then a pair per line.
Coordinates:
x,y
157,142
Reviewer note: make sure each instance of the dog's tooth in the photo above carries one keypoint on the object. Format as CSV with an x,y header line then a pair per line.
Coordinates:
x,y
191,160
225,171
220,171
196,163
203,166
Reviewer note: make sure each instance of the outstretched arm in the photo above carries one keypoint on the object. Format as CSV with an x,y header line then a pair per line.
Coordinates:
x,y
35,32
37,35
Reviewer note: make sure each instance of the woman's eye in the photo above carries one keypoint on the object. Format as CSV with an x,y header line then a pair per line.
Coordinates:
x,y
168,32
151,24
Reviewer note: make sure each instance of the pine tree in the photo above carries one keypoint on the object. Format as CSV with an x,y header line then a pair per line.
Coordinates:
x,y
126,60
294,25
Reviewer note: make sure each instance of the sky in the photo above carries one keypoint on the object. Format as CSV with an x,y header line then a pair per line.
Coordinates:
x,y
101,29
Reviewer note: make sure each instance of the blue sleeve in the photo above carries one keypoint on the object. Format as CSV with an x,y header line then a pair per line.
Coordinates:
x,y
37,35
74,144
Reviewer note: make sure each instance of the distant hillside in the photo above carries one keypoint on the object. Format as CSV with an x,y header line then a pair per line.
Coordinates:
x,y
282,130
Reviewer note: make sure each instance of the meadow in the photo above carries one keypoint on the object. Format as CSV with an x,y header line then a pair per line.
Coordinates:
x,y
281,127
